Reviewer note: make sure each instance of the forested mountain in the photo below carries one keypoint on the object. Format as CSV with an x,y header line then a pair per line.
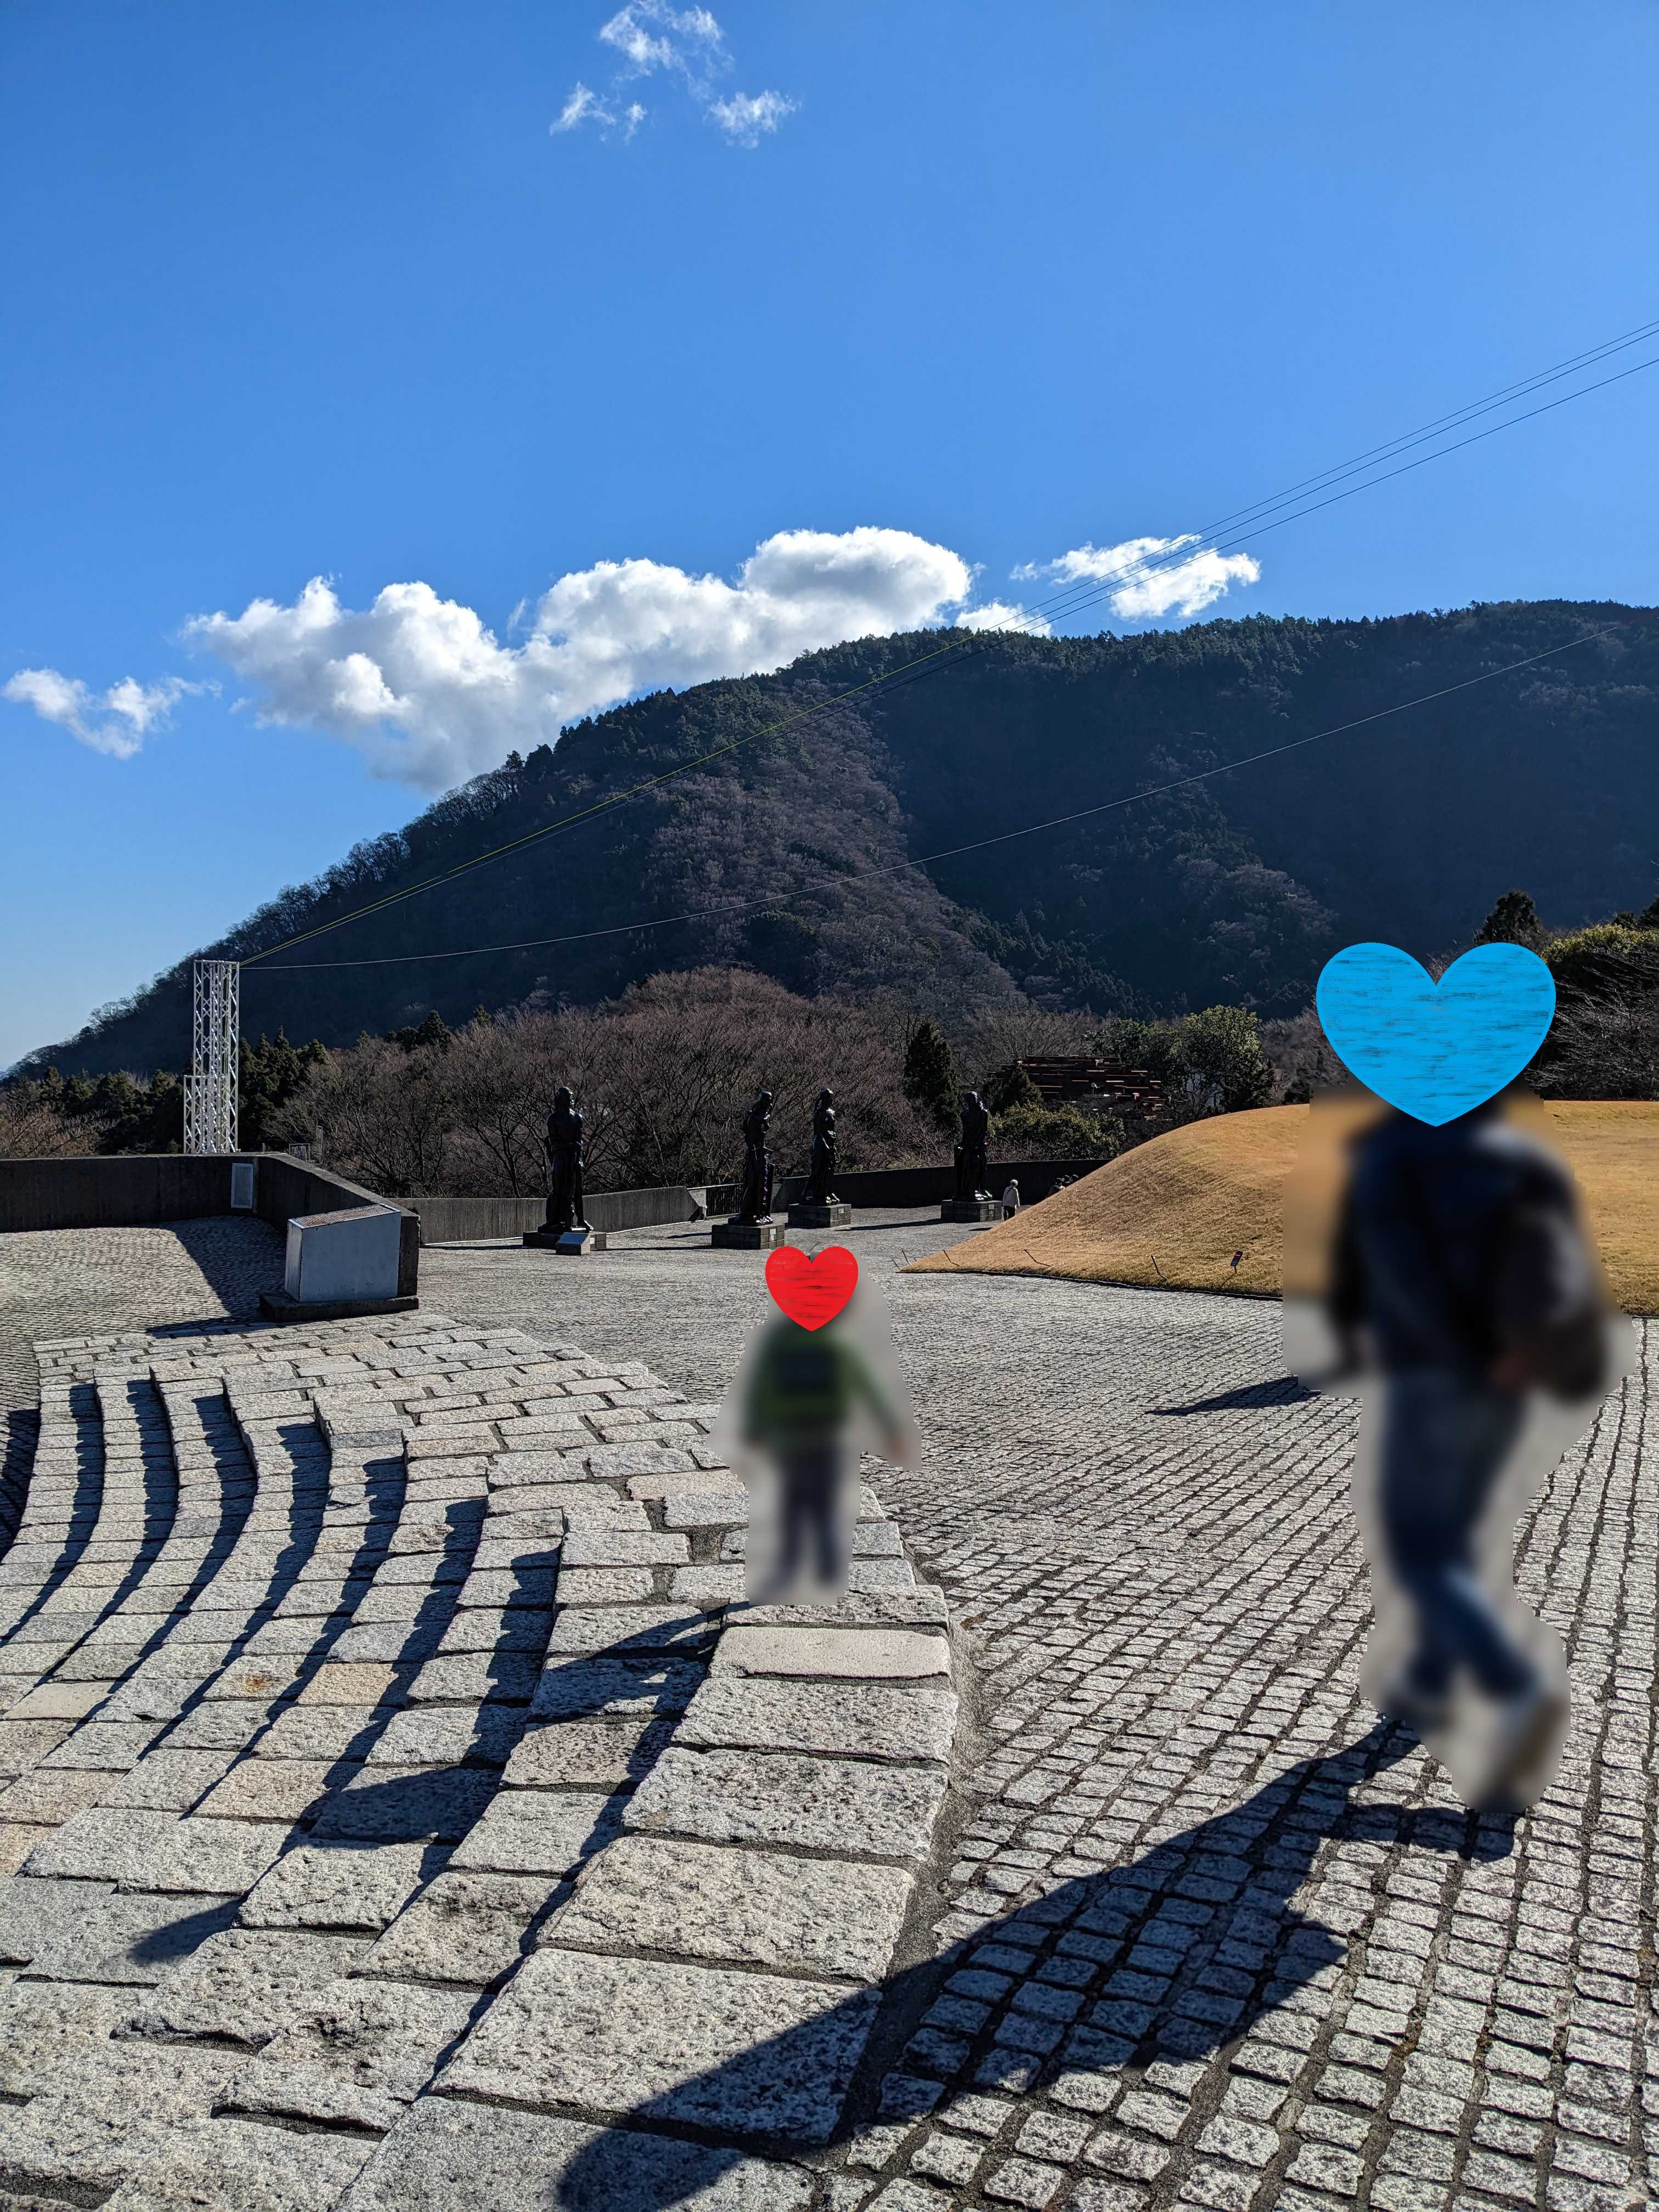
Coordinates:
x,y
1235,889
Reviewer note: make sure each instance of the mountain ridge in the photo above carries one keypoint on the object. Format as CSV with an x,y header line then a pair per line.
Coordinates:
x,y
1235,888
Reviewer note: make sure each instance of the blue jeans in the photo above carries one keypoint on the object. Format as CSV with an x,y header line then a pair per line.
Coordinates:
x,y
1445,1438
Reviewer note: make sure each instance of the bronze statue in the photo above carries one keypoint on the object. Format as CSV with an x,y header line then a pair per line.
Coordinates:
x,y
563,1149
755,1188
972,1171
822,1173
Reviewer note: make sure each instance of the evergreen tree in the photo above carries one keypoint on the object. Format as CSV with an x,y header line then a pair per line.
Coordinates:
x,y
269,1073
932,1083
1513,920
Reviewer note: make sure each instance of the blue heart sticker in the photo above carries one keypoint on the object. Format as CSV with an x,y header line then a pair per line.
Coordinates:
x,y
1435,1050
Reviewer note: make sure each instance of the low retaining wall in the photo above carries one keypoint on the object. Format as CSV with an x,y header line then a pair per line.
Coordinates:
x,y
459,1221
131,1190
462,1220
916,1186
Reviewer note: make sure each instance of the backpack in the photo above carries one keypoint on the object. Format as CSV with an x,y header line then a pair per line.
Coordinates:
x,y
1548,1298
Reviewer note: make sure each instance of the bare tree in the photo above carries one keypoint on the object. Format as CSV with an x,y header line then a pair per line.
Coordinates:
x,y
382,1115
663,1075
32,1128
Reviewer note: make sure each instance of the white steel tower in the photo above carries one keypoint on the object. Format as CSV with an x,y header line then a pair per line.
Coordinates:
x,y
210,1087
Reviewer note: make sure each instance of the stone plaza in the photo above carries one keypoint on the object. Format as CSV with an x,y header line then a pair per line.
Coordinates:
x,y
398,1814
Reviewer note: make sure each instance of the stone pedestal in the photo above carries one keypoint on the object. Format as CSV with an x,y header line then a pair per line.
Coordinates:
x,y
806,1214
748,1236
971,1209
572,1242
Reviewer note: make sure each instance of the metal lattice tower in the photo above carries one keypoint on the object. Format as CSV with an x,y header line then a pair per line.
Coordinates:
x,y
210,1087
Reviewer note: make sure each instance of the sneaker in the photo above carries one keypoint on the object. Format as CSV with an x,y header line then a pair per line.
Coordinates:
x,y
1527,1725
1413,1709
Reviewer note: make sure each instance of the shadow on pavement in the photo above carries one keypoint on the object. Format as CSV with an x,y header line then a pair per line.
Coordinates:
x,y
1285,1390
1172,1956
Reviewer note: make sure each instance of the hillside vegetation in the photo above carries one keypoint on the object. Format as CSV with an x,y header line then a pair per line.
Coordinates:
x,y
1233,891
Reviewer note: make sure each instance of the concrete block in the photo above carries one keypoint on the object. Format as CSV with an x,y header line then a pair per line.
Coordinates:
x,y
345,1258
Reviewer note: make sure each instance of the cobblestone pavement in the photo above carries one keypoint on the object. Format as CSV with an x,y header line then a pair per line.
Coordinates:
x,y
390,1804
1205,1933
53,1284
1210,1936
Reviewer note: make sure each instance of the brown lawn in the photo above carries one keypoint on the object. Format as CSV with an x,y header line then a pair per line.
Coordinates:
x,y
1175,1211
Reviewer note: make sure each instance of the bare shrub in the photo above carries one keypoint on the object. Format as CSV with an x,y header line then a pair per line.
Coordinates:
x,y
378,1115
32,1128
1603,1047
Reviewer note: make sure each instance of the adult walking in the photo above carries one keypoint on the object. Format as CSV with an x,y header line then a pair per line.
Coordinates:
x,y
1463,1280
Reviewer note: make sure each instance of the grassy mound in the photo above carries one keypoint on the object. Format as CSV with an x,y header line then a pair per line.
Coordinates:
x,y
1174,1212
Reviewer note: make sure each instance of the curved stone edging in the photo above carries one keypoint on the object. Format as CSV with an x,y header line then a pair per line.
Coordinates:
x,y
344,1808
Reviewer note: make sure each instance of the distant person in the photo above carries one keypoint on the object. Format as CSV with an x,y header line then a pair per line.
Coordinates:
x,y
801,1398
1237,1256
1462,1274
1011,1197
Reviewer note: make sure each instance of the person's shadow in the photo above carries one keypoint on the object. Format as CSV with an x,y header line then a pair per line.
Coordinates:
x,y
1173,1956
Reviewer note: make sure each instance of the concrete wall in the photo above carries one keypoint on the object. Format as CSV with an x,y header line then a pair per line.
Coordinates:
x,y
931,1186
129,1190
468,1220
465,1220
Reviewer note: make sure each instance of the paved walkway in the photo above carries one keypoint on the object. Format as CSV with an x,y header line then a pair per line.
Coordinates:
x,y
1205,1932
1217,1937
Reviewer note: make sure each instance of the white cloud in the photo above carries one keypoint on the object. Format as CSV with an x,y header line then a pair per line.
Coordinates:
x,y
116,723
997,614
644,53
745,117
1150,580
430,695
582,107
649,35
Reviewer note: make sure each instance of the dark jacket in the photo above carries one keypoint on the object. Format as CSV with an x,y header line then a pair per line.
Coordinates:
x,y
1456,1244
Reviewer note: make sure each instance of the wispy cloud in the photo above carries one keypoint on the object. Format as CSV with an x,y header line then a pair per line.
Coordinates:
x,y
585,106
745,119
687,44
115,722
1149,578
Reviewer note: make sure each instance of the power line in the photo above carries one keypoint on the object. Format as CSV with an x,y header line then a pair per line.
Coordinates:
x,y
978,845
1066,605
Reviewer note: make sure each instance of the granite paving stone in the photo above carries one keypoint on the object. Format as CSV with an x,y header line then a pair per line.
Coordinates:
x,y
240,2165
464,1927
356,2051
852,1654
897,1720
861,1809
449,2156
160,1851
747,2054
537,1831
241,1986
743,1908
340,1885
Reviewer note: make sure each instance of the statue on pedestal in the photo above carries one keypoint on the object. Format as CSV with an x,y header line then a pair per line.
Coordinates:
x,y
821,1172
755,1188
972,1171
563,1149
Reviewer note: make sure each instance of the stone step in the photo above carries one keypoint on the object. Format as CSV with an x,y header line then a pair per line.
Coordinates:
x,y
392,1764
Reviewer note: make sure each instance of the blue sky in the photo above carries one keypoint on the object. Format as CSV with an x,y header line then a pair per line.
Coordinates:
x,y
321,292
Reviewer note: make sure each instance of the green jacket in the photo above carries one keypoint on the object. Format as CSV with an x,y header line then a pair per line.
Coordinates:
x,y
805,1386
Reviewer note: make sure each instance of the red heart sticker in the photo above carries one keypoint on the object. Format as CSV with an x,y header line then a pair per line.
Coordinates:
x,y
812,1290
